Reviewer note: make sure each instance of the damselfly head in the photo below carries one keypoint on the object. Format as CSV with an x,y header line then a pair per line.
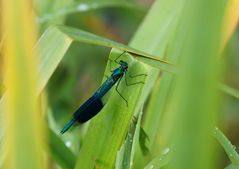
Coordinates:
x,y
123,64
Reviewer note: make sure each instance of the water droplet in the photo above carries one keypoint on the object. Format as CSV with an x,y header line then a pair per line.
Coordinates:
x,y
166,151
83,7
151,167
68,143
216,129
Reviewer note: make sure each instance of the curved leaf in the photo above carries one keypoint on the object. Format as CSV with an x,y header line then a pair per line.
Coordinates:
x,y
85,7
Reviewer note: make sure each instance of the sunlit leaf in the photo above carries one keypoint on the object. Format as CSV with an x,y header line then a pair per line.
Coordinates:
x,y
23,125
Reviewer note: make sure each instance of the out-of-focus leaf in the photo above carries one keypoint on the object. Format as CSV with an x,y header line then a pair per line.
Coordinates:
x,y
50,55
231,166
231,20
229,90
143,137
1,41
195,100
60,153
23,125
85,6
52,47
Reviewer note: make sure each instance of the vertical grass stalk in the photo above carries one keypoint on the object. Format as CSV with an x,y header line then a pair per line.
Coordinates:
x,y
22,120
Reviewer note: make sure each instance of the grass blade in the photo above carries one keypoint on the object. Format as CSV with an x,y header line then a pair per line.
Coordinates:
x,y
60,153
78,7
196,97
86,37
231,166
160,160
227,146
125,156
23,123
229,90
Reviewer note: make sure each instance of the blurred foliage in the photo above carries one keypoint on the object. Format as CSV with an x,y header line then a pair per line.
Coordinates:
x,y
82,69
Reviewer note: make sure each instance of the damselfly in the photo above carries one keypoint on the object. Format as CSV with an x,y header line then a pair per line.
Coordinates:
x,y
94,104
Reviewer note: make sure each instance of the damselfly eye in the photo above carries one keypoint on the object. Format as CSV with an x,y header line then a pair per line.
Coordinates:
x,y
123,63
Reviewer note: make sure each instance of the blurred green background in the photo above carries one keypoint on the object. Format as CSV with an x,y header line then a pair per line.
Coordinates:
x,y
82,69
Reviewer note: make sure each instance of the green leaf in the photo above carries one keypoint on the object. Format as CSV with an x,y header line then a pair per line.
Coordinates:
x,y
160,160
229,90
195,99
231,166
168,14
52,47
126,153
89,38
227,146
50,56
60,153
85,6
143,137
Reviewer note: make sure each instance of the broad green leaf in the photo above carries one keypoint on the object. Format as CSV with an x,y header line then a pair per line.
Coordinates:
x,y
52,47
108,129
195,101
168,13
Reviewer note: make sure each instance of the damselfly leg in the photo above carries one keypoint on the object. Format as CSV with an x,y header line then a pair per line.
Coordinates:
x,y
126,77
117,90
128,84
116,61
133,76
